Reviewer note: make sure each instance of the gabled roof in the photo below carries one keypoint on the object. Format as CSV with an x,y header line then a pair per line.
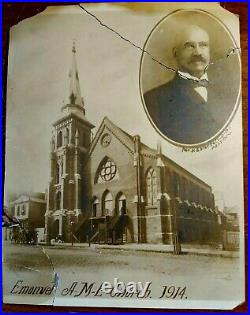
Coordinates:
x,y
121,135
36,197
128,141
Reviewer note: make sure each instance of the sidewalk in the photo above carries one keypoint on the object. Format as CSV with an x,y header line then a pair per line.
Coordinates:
x,y
157,248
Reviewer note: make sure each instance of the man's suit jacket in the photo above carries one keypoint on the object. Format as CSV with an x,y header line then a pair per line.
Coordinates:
x,y
182,115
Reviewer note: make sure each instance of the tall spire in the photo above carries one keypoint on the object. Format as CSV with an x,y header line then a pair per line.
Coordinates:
x,y
75,97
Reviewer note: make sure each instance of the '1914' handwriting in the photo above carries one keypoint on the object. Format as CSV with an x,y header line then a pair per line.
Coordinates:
x,y
172,292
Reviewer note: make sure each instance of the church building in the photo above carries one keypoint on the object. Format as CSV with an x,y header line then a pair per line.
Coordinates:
x,y
114,189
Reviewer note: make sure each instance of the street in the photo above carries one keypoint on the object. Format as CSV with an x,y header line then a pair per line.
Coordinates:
x,y
204,278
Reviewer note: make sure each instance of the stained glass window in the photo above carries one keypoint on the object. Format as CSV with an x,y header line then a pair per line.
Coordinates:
x,y
151,187
107,171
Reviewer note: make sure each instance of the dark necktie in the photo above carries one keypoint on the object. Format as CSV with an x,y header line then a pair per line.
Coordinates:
x,y
203,83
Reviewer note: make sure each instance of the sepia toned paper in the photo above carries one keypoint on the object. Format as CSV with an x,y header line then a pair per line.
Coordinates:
x,y
124,158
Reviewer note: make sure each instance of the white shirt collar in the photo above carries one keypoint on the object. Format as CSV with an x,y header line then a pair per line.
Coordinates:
x,y
189,76
201,90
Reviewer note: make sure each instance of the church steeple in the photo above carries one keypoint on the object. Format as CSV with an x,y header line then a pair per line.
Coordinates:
x,y
75,99
75,96
71,140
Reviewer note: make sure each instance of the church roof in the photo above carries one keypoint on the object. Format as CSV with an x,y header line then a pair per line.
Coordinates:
x,y
124,137
128,141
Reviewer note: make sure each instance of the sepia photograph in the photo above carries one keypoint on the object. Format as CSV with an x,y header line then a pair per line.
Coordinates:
x,y
102,206
204,60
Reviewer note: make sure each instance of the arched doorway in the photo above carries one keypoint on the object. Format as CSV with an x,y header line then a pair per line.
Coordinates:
x,y
107,209
95,207
55,228
121,204
118,226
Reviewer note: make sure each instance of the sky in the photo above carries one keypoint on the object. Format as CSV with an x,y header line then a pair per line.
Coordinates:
x,y
38,85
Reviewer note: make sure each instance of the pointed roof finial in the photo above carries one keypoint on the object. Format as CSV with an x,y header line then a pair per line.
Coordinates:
x,y
159,147
159,161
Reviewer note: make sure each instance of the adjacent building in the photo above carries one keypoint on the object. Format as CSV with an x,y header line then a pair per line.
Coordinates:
x,y
29,210
231,228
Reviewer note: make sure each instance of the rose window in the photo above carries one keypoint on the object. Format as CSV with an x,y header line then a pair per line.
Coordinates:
x,y
108,170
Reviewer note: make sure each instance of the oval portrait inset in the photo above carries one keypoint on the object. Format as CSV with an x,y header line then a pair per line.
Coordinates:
x,y
190,77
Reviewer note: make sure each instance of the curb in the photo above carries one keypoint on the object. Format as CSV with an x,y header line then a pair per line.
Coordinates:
x,y
164,251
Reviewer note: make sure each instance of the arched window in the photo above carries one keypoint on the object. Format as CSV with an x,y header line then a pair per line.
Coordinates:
x,y
57,174
176,185
67,136
59,139
106,171
151,187
58,200
107,204
18,211
95,207
121,203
